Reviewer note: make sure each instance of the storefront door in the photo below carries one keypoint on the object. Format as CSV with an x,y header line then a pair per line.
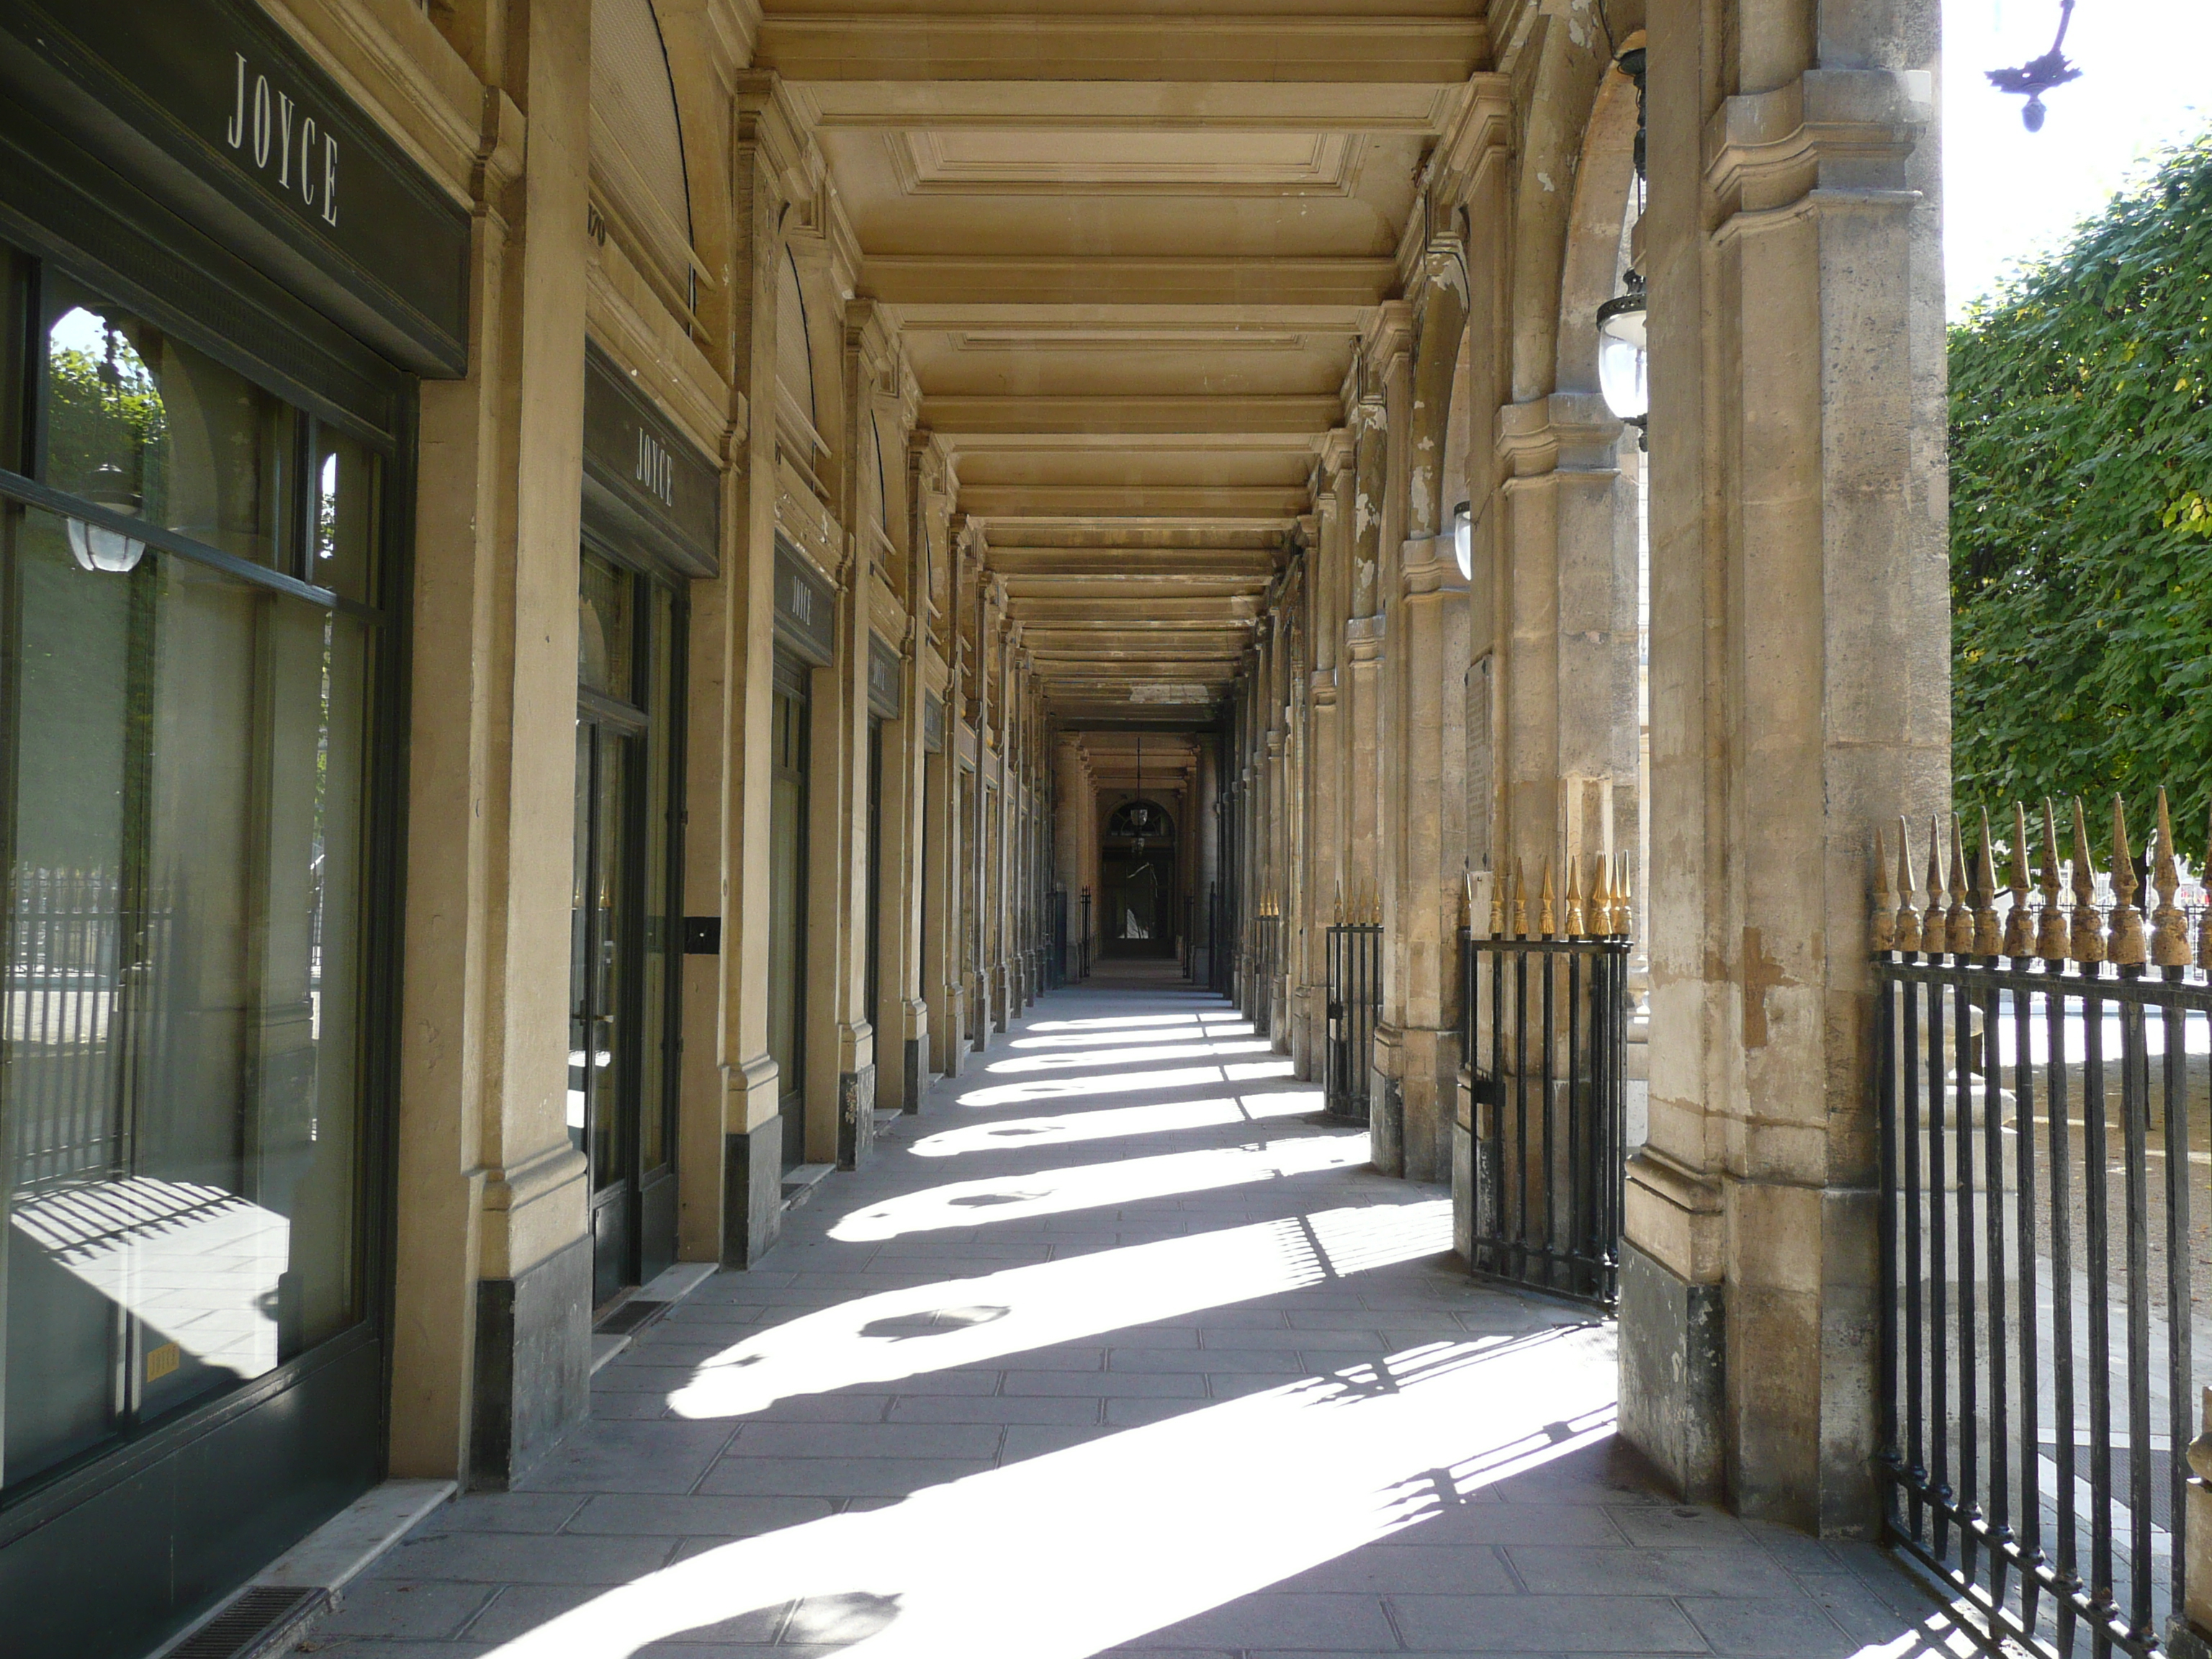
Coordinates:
x,y
621,970
786,949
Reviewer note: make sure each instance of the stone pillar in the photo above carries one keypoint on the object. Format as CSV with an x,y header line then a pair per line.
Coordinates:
x,y
1074,803
1800,666
978,987
2189,1634
492,1348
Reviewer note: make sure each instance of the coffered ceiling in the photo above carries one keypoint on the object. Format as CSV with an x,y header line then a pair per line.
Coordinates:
x,y
1131,250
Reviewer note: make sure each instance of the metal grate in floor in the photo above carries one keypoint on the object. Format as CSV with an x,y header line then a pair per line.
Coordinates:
x,y
254,1622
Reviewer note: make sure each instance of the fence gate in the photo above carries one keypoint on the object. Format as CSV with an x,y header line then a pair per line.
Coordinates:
x,y
1355,999
1546,1038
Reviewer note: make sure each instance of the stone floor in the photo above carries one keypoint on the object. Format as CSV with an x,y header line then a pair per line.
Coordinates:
x,y
1114,1348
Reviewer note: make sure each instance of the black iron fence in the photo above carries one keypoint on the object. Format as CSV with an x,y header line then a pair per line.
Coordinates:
x,y
1055,951
1265,948
1087,943
2041,1089
1220,934
1355,1002
1545,1035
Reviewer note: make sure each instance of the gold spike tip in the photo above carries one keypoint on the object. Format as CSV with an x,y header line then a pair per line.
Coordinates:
x,y
2052,939
2169,935
1934,922
1907,932
1881,928
1988,936
1547,918
2124,944
1575,918
2020,925
1959,938
2087,942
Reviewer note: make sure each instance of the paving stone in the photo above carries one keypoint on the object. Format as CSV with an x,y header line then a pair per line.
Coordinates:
x,y
1544,1624
1335,1624
369,1647
431,1611
490,1558
800,1440
1392,1569
1108,1385
638,1456
690,1517
503,1511
1742,1573
1461,1525
1007,1409
1781,1628
837,1477
1232,1362
1034,1440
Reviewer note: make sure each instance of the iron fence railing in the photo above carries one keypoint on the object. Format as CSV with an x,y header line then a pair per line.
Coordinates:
x,y
1055,949
1087,946
1545,1033
2041,1089
1355,1003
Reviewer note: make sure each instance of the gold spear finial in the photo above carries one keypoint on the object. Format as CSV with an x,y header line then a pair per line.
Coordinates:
x,y
1520,900
2169,935
1497,907
1936,925
1988,935
1881,927
2088,942
2126,948
1601,911
1547,914
1959,938
1624,897
2053,941
2019,925
1907,932
1574,918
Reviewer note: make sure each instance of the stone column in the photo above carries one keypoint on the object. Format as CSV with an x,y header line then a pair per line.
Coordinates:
x,y
2189,1634
978,988
1800,665
492,1350
1074,813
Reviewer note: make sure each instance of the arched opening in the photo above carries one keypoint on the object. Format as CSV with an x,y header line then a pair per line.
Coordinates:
x,y
638,169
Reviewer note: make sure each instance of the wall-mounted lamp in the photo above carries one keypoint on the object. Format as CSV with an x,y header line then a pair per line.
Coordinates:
x,y
1463,539
1623,363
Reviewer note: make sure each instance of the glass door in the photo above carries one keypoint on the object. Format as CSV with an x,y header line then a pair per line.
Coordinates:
x,y
622,931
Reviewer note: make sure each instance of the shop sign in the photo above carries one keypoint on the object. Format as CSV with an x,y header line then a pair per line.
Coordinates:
x,y
642,476
211,108
806,607
932,723
885,680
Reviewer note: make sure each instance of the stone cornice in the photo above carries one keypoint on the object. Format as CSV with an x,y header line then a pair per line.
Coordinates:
x,y
1829,130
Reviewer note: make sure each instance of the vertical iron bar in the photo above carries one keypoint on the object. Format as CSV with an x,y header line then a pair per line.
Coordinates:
x,y
1547,1239
2063,1403
2030,1527
1998,1508
1520,1234
2134,1112
1962,1095
1915,1341
1939,1264
1578,1161
2179,1303
2097,1193
1886,1063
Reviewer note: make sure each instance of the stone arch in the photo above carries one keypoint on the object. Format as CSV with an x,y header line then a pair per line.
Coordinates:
x,y
639,167
794,343
1590,268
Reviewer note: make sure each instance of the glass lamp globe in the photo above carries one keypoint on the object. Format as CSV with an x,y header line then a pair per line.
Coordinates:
x,y
1621,360
1463,539
94,546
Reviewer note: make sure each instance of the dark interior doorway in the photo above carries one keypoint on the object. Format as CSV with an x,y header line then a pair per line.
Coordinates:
x,y
1136,874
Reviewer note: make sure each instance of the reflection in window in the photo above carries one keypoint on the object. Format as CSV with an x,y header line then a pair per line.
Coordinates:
x,y
147,427
179,1096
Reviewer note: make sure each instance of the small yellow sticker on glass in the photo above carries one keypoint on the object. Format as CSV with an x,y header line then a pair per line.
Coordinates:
x,y
160,1361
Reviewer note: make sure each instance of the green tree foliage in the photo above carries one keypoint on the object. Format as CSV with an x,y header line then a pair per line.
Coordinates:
x,y
2081,518
105,409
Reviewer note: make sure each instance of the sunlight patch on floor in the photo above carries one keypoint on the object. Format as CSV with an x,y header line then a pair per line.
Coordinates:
x,y
1116,1122
1124,1083
1129,1056
1097,1186
969,1321
1076,1550
1073,1040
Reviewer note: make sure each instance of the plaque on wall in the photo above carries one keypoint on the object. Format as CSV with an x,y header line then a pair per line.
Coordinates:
x,y
932,723
885,678
647,487
806,607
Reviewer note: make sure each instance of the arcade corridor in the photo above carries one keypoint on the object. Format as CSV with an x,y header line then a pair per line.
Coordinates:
x,y
1114,1347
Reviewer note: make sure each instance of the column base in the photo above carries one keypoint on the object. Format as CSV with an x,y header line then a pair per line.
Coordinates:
x,y
1673,1350
1386,1124
856,1116
752,1192
1462,1183
533,1364
2185,1641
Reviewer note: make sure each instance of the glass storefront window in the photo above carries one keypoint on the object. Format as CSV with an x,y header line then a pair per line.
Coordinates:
x,y
182,825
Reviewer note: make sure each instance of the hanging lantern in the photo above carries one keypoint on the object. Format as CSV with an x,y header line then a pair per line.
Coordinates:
x,y
1623,363
2039,74
1463,539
